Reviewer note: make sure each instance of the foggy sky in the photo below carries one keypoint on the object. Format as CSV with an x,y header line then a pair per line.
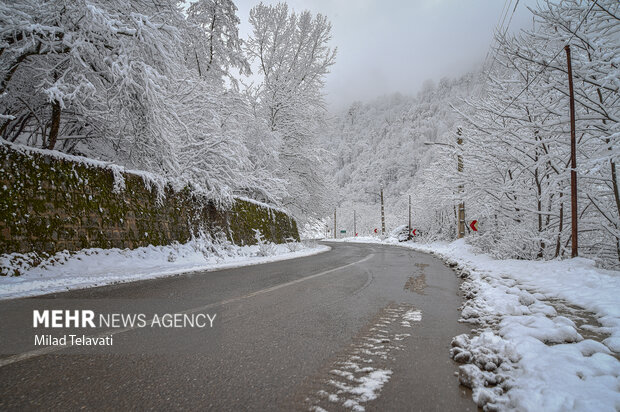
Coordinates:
x,y
387,46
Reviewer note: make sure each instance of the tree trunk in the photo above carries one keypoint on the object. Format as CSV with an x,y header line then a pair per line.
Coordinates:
x,y
558,244
541,244
51,142
614,181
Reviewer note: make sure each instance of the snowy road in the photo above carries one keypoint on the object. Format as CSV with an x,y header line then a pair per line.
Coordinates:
x,y
360,327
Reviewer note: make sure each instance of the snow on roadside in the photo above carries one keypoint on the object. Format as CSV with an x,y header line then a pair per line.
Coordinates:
x,y
97,267
528,352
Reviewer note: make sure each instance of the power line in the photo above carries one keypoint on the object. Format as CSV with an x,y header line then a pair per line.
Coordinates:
x,y
503,34
546,65
498,26
511,16
506,15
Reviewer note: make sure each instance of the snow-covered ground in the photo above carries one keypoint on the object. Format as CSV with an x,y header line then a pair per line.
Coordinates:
x,y
97,267
547,334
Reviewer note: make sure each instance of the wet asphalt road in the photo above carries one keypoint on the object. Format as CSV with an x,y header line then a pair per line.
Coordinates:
x,y
280,328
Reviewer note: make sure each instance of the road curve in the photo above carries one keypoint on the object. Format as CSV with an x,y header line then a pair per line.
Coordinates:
x,y
361,326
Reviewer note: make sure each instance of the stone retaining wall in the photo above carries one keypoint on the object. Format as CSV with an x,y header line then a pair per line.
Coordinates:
x,y
50,203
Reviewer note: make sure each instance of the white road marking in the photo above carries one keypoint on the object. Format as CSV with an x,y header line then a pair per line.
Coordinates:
x,y
51,349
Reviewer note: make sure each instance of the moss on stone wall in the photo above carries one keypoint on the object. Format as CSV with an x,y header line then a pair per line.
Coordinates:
x,y
49,204
245,217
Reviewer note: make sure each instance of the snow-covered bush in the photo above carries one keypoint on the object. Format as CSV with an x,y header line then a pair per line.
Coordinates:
x,y
14,264
293,245
265,248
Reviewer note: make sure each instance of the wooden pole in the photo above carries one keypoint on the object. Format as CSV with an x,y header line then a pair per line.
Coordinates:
x,y
334,223
573,158
461,208
410,229
382,214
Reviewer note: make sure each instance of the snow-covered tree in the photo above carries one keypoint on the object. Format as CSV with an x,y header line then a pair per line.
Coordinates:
x,y
215,44
516,145
292,53
69,68
112,80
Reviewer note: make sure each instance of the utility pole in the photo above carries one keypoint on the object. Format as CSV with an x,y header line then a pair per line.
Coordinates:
x,y
382,213
334,223
354,224
461,211
410,214
573,157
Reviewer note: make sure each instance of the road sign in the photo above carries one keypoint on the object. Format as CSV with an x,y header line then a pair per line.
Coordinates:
x,y
375,230
343,231
413,232
474,225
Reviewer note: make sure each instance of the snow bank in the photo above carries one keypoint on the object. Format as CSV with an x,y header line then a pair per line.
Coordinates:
x,y
529,352
577,281
527,356
97,267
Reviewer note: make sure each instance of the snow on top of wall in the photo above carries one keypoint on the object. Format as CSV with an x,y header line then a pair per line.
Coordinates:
x,y
151,180
265,205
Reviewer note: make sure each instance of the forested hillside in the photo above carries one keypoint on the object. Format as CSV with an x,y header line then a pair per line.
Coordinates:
x,y
515,129
386,142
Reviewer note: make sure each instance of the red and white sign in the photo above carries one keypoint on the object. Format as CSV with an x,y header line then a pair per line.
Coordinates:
x,y
413,232
474,225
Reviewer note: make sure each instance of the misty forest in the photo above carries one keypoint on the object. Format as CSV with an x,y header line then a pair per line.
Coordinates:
x,y
173,89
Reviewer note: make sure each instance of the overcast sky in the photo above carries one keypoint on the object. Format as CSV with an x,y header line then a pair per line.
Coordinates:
x,y
387,46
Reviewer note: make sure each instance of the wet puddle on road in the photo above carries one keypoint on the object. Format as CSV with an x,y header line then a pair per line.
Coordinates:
x,y
357,375
417,283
